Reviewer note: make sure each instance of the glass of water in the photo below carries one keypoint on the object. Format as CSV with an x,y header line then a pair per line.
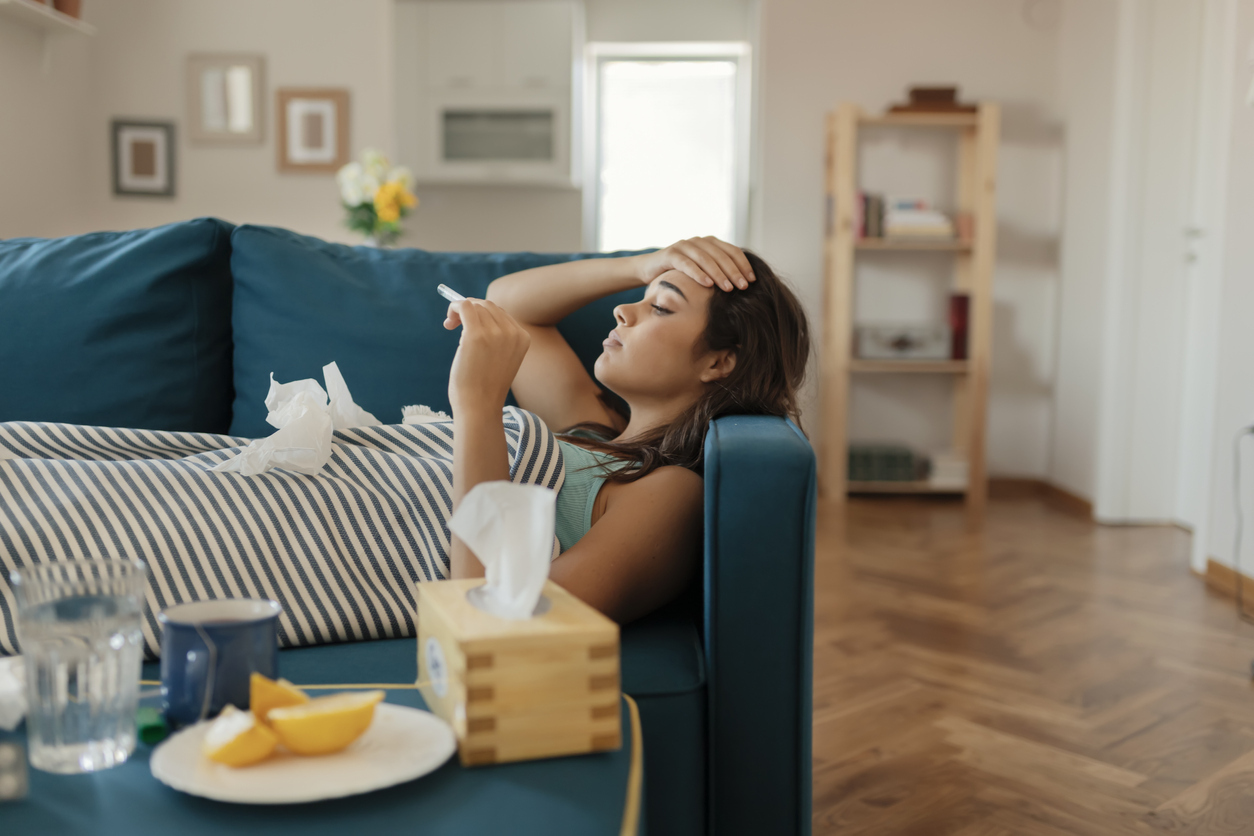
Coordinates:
x,y
79,628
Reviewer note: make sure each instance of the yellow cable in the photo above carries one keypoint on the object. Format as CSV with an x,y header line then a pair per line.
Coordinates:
x,y
635,774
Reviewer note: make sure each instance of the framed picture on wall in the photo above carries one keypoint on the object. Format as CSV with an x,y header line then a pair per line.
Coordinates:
x,y
313,129
224,98
143,158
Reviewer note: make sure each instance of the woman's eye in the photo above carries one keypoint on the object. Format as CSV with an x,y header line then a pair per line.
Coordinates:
x,y
662,310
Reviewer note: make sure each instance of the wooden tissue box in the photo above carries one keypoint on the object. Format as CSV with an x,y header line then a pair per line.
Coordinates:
x,y
519,690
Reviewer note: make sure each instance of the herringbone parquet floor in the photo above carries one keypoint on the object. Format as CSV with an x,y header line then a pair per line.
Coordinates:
x,y
1045,676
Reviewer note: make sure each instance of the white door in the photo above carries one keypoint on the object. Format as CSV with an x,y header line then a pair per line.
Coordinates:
x,y
1139,476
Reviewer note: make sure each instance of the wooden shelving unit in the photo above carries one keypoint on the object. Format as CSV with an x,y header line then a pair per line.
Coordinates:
x,y
42,16
909,244
46,20
973,274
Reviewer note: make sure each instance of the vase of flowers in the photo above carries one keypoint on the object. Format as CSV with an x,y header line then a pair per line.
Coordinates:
x,y
376,195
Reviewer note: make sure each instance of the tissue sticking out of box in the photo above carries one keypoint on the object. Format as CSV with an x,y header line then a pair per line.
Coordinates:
x,y
306,419
510,529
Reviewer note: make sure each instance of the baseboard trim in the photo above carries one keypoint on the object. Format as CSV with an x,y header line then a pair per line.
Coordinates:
x,y
1223,579
1063,500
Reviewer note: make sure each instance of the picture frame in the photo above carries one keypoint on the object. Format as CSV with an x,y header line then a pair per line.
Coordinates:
x,y
225,98
313,129
143,157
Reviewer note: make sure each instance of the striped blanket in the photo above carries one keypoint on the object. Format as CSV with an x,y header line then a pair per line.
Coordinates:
x,y
341,551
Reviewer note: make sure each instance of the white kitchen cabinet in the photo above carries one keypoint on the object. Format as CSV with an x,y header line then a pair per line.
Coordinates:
x,y
462,44
536,41
497,100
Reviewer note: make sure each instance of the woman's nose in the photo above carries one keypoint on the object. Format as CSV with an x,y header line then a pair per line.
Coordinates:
x,y
620,314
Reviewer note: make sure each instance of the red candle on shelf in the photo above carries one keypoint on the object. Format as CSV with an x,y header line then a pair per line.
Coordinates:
x,y
959,313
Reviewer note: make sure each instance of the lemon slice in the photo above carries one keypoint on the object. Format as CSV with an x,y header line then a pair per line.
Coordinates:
x,y
265,694
325,724
237,739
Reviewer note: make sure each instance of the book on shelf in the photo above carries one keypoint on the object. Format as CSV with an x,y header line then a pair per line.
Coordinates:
x,y
870,215
885,463
913,218
880,217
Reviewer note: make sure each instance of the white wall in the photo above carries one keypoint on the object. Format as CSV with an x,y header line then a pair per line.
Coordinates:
x,y
42,164
138,70
1086,93
817,53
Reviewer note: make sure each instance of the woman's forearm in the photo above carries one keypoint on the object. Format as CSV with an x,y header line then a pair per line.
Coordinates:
x,y
546,295
479,455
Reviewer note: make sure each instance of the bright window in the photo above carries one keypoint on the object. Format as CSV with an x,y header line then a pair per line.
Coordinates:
x,y
668,148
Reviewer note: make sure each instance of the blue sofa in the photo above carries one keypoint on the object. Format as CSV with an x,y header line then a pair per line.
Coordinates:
x,y
179,328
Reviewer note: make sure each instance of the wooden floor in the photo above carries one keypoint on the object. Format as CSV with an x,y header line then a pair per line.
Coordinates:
x,y
1046,676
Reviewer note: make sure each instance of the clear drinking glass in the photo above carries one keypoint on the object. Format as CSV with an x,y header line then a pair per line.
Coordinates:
x,y
81,638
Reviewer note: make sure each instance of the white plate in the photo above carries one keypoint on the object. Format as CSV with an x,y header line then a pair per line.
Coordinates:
x,y
401,744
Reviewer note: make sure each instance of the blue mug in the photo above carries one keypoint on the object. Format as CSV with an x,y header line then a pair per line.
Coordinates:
x,y
209,652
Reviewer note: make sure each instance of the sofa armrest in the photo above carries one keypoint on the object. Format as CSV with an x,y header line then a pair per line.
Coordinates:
x,y
760,505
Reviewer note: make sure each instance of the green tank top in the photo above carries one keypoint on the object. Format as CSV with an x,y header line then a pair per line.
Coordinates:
x,y
586,472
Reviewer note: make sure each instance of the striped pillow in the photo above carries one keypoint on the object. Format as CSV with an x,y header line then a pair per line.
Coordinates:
x,y
340,551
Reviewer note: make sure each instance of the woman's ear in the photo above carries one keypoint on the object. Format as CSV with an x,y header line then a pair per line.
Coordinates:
x,y
718,365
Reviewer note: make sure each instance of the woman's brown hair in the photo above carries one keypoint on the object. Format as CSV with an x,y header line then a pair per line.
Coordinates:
x,y
766,327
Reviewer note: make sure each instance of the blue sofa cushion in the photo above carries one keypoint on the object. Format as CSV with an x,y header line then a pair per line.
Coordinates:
x,y
302,302
127,329
662,652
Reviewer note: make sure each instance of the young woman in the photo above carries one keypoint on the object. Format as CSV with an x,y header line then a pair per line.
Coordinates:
x,y
716,333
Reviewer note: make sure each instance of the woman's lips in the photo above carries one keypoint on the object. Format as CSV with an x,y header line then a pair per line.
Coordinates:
x,y
612,341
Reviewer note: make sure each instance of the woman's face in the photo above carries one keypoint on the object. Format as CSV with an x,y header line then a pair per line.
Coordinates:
x,y
650,353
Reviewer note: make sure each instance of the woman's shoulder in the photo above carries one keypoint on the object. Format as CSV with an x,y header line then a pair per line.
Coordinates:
x,y
671,480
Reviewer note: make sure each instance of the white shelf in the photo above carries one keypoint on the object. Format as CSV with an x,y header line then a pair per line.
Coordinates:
x,y
43,17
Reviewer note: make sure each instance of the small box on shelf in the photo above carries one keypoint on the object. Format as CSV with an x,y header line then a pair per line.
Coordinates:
x,y
903,342
948,470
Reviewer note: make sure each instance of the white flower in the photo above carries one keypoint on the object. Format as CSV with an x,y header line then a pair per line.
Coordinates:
x,y
369,184
349,179
403,175
375,164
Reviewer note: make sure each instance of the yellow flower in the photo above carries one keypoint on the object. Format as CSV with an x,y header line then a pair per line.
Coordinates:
x,y
391,200
385,203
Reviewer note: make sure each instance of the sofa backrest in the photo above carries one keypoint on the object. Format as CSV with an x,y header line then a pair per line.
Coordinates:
x,y
124,329
179,327
302,302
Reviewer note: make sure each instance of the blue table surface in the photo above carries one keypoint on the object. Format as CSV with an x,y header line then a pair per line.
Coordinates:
x,y
582,794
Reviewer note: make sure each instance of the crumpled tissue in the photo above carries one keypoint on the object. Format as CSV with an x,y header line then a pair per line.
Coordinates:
x,y
420,414
306,420
12,692
510,529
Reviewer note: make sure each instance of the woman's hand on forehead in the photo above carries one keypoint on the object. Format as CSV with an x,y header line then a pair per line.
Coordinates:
x,y
707,261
